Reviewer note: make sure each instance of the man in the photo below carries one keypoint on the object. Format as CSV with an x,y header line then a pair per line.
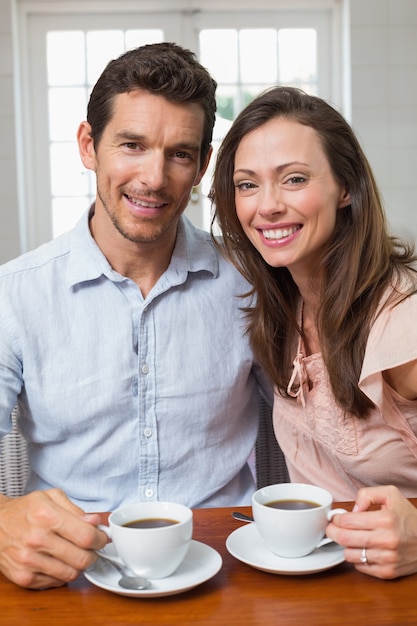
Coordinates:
x,y
123,341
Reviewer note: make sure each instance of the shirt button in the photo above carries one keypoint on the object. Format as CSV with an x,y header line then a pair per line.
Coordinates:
x,y
149,493
147,432
144,369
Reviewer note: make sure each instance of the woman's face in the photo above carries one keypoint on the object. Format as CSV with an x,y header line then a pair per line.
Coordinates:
x,y
286,195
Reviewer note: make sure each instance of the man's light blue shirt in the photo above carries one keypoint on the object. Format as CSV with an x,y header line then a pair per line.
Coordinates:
x,y
124,398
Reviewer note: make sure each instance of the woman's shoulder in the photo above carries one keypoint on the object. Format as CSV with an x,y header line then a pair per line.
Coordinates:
x,y
392,338
398,302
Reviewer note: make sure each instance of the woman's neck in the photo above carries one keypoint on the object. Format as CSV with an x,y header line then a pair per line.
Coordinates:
x,y
309,328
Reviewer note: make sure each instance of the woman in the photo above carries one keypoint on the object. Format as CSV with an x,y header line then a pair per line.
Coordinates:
x,y
334,322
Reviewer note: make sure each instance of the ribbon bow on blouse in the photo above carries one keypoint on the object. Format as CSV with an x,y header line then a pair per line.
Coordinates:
x,y
298,386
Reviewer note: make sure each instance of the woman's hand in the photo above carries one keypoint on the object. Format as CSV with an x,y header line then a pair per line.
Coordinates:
x,y
380,535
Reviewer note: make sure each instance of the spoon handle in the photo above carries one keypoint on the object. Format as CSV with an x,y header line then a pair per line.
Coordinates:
x,y
114,563
136,583
241,517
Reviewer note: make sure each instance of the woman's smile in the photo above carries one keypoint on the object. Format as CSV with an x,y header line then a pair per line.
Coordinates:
x,y
286,195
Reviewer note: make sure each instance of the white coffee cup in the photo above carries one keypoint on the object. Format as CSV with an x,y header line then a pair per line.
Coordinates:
x,y
154,552
296,532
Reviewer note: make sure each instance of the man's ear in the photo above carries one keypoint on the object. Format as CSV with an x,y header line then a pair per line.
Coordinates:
x,y
86,146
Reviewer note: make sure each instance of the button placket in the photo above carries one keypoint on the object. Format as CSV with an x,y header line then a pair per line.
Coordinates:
x,y
148,443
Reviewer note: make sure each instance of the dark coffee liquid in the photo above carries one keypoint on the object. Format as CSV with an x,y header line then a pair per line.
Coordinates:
x,y
153,522
293,505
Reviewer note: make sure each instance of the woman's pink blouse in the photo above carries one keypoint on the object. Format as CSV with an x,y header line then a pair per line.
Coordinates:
x,y
340,452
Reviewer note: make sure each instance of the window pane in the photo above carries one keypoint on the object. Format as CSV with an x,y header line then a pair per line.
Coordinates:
x,y
67,107
297,56
136,38
67,177
102,46
228,101
66,212
249,92
219,53
64,68
258,55
257,58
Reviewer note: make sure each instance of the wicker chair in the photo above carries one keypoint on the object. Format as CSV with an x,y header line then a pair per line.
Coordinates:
x,y
269,459
14,465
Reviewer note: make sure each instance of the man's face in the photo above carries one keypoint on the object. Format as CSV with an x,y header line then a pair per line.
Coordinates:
x,y
146,163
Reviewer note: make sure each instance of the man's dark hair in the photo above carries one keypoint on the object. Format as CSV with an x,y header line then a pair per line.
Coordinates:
x,y
164,69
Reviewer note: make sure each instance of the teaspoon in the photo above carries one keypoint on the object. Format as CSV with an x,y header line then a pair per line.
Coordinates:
x,y
127,581
242,517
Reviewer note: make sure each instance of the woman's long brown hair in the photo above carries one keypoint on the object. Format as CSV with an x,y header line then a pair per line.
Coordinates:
x,y
361,261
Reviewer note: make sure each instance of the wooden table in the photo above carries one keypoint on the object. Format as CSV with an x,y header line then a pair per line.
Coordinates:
x,y
238,595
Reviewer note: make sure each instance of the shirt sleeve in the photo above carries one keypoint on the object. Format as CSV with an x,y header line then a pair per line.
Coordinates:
x,y
392,342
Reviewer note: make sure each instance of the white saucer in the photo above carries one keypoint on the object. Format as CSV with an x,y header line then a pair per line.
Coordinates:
x,y
247,545
201,563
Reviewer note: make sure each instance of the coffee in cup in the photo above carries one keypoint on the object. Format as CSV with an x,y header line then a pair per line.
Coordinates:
x,y
151,539
150,522
292,517
292,505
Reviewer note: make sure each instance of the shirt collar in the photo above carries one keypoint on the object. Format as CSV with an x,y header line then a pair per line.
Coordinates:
x,y
193,252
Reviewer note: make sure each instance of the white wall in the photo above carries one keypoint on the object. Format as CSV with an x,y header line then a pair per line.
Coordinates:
x,y
9,220
384,110
384,101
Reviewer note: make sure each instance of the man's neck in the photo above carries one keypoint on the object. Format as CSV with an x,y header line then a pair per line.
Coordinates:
x,y
144,263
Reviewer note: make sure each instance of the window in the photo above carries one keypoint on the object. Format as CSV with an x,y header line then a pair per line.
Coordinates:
x,y
63,55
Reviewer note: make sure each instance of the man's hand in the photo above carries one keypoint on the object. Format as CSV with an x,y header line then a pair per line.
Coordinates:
x,y
46,540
